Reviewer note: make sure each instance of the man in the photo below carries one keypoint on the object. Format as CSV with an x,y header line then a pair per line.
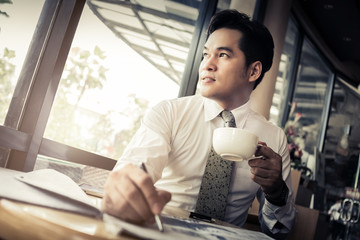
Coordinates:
x,y
175,138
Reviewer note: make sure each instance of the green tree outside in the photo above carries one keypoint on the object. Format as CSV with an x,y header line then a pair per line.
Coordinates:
x,y
136,111
83,72
7,70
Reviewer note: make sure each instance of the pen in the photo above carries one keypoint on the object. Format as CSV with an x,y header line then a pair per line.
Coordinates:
x,y
201,217
157,217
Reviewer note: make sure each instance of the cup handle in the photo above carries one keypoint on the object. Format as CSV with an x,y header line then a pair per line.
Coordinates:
x,y
256,157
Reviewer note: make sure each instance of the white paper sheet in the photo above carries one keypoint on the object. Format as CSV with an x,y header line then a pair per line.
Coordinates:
x,y
56,182
46,187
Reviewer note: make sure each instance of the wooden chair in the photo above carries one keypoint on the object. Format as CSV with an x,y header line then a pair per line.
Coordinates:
x,y
306,222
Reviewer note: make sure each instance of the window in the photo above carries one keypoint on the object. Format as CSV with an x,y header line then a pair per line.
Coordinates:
x,y
81,93
101,76
286,69
343,135
14,45
15,79
309,101
134,60
339,161
308,116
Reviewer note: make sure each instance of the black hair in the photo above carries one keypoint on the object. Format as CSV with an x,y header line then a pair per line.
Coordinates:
x,y
256,42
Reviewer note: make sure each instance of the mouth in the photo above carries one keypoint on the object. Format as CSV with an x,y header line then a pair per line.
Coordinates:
x,y
207,78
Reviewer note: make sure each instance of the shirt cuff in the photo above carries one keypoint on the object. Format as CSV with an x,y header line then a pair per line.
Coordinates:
x,y
272,214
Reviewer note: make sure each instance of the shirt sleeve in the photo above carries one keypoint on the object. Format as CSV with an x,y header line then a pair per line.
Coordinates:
x,y
274,220
151,143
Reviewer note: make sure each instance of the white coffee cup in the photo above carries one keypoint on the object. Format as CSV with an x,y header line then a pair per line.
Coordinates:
x,y
234,144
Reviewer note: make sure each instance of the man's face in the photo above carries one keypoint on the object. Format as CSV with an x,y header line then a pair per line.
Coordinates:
x,y
223,75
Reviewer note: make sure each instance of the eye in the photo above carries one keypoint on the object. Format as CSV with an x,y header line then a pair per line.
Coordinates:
x,y
205,54
223,55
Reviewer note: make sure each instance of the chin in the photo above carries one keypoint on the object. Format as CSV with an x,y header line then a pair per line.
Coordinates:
x,y
205,93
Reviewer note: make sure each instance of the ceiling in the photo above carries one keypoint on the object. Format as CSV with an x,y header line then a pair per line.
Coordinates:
x,y
338,23
159,31
162,33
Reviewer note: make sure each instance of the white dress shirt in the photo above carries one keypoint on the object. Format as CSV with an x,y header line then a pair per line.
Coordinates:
x,y
174,141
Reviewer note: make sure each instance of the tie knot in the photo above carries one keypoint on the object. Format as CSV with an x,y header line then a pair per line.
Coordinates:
x,y
228,118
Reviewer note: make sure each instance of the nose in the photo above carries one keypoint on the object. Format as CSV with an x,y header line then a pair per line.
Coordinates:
x,y
208,64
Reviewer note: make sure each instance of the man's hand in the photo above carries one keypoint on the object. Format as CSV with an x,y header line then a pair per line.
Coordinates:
x,y
267,171
130,195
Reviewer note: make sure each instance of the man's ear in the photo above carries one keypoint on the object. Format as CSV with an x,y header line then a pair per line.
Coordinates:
x,y
255,70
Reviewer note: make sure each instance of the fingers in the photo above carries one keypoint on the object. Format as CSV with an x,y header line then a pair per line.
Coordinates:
x,y
265,151
267,161
131,195
164,197
116,205
133,189
155,201
267,170
269,184
264,173
123,198
267,179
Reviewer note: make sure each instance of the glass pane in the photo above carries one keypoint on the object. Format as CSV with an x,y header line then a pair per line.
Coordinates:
x,y
131,58
14,44
285,68
305,118
342,142
340,158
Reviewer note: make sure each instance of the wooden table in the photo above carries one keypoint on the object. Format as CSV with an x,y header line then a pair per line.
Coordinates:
x,y
25,221
28,221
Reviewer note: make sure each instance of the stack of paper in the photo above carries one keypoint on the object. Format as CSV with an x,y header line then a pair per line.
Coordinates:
x,y
46,187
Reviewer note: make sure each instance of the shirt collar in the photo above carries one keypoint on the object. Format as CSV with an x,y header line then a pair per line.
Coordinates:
x,y
241,114
212,110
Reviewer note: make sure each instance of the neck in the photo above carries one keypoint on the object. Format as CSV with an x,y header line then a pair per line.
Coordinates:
x,y
232,104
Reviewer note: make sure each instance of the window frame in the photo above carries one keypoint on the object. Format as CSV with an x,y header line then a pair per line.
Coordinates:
x,y
21,137
36,88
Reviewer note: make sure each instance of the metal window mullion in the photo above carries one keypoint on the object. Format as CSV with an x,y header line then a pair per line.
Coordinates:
x,y
27,111
326,112
64,152
46,79
293,78
13,117
13,139
24,83
65,24
40,79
